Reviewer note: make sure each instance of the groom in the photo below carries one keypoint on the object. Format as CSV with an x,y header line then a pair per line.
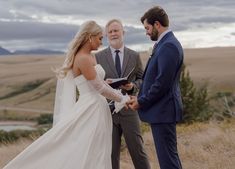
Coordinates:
x,y
159,100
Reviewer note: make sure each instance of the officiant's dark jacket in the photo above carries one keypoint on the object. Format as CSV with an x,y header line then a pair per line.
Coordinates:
x,y
127,121
160,96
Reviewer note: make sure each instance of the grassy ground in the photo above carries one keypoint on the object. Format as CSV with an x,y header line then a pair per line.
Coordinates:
x,y
201,146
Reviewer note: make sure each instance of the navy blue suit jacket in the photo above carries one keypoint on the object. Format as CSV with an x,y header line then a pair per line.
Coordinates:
x,y
160,97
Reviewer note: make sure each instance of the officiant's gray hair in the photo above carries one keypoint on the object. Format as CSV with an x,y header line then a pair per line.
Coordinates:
x,y
87,29
112,21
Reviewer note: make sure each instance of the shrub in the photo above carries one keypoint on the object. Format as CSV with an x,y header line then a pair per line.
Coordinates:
x,y
45,119
12,136
223,104
195,101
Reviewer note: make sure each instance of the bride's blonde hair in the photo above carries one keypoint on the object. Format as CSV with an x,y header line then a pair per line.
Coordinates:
x,y
88,29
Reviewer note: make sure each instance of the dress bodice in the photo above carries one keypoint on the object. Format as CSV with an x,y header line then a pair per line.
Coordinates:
x,y
82,83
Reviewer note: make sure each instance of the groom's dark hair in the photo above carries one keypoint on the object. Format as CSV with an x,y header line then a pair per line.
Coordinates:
x,y
156,14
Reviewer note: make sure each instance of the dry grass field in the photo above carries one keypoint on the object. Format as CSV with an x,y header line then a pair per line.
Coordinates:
x,y
201,145
214,66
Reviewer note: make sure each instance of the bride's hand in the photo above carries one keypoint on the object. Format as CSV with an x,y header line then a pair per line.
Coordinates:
x,y
123,103
108,81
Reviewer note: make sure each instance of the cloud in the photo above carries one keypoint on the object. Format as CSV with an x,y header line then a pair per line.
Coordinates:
x,y
36,30
53,23
26,35
49,35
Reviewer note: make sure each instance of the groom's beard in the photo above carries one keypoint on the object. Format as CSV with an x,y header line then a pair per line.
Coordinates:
x,y
154,34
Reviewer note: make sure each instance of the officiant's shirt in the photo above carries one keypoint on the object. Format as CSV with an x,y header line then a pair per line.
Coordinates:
x,y
121,54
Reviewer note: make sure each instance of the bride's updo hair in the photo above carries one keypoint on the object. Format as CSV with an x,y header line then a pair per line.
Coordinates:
x,y
87,29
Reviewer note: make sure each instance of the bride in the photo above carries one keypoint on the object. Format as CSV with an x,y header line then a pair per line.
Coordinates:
x,y
82,131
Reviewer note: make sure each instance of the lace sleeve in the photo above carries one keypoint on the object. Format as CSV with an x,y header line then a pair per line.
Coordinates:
x,y
105,90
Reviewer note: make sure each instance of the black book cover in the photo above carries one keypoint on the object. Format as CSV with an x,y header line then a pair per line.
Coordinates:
x,y
120,81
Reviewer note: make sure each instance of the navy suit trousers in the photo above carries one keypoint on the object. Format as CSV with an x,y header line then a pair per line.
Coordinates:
x,y
165,140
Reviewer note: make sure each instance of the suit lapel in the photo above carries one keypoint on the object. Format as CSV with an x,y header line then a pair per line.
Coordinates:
x,y
126,58
111,64
146,67
155,49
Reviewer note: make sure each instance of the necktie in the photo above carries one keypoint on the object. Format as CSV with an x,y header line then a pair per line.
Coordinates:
x,y
154,48
118,63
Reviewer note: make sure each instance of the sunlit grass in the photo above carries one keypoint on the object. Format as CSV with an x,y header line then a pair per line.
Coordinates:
x,y
17,116
201,146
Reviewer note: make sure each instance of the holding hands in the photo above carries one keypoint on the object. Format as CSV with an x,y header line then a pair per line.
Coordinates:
x,y
133,103
127,102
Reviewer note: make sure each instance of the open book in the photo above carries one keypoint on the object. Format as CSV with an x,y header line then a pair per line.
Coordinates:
x,y
115,83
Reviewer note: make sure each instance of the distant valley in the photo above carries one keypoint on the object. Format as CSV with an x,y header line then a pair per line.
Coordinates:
x,y
4,52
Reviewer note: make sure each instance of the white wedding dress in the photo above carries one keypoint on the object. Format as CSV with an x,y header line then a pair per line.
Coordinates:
x,y
82,139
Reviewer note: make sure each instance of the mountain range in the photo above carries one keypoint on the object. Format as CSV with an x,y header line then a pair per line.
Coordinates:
x,y
4,51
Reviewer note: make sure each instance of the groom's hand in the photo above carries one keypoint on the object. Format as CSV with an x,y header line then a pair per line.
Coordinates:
x,y
133,103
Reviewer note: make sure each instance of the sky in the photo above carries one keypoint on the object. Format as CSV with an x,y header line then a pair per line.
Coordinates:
x,y
51,24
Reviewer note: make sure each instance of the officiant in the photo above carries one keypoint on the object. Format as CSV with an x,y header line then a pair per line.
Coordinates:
x,y
119,61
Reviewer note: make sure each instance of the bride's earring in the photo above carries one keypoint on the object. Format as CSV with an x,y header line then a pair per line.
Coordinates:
x,y
90,40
